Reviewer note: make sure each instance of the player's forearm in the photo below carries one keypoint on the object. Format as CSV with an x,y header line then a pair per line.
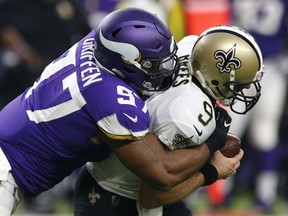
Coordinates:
x,y
162,168
157,166
149,197
181,164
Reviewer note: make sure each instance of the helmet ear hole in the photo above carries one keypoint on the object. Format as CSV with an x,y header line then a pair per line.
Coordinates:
x,y
114,33
214,82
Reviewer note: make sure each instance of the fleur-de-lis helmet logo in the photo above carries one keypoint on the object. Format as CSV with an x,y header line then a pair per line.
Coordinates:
x,y
227,60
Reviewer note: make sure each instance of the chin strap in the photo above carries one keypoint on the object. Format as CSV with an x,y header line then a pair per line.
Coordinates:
x,y
225,101
204,85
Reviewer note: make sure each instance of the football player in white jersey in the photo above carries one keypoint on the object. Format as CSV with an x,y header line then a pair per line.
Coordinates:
x,y
225,60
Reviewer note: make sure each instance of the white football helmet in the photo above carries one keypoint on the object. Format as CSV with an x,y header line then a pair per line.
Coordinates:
x,y
228,63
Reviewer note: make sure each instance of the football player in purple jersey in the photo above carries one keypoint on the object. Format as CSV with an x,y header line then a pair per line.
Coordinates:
x,y
86,103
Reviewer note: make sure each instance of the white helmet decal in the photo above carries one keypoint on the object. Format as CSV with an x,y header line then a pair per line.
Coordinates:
x,y
127,51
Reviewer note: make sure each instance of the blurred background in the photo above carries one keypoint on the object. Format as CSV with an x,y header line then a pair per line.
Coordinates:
x,y
34,32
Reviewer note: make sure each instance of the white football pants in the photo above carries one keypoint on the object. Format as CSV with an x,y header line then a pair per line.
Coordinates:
x,y
10,195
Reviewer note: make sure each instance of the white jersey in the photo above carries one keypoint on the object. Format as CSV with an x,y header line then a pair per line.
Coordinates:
x,y
181,116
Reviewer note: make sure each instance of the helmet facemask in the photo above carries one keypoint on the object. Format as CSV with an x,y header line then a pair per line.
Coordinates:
x,y
161,72
245,94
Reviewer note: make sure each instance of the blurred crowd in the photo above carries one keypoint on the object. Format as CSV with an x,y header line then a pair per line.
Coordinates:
x,y
28,28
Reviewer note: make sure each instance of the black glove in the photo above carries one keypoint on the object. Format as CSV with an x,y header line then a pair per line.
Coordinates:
x,y
219,136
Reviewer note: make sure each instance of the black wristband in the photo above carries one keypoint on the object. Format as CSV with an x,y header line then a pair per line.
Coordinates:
x,y
210,174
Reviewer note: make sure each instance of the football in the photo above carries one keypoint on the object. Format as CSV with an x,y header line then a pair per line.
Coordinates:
x,y
232,146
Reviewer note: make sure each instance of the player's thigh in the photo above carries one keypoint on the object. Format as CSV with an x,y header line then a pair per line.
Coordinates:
x,y
8,201
91,199
179,208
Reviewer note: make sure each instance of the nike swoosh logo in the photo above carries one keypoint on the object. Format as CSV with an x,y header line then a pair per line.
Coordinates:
x,y
133,119
226,124
198,132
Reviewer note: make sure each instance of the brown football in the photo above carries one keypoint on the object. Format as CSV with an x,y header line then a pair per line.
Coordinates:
x,y
232,146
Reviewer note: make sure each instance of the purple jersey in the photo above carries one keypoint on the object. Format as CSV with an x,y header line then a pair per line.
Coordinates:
x,y
266,20
46,132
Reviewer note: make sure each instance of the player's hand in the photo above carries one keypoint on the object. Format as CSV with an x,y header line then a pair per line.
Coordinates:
x,y
226,166
219,136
